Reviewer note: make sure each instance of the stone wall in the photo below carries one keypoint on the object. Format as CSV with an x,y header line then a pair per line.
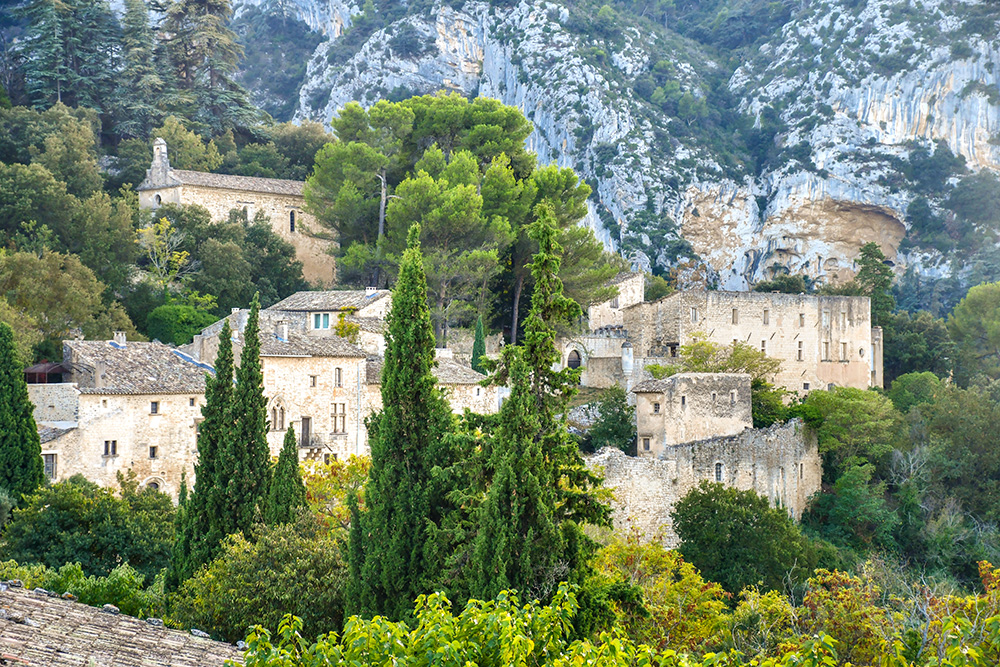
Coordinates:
x,y
600,356
820,340
317,264
631,291
690,406
781,463
54,402
129,421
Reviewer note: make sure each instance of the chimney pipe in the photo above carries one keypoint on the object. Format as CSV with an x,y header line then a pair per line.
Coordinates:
x,y
120,338
370,290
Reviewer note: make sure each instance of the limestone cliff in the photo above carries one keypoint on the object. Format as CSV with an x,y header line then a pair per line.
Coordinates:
x,y
794,156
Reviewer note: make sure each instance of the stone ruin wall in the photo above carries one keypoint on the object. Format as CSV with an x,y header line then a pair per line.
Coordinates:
x,y
781,463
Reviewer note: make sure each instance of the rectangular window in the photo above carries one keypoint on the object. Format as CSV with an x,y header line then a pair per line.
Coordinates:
x,y
732,397
718,472
656,408
50,465
826,318
763,346
645,444
843,320
614,302
767,316
713,396
802,319
805,386
684,400
312,380
339,417
152,452
111,448
154,407
843,351
321,320
736,316
826,350
694,316
291,221
191,402
338,377
800,351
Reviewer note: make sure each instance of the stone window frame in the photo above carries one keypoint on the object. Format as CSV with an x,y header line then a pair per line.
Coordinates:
x,y
844,351
278,418
763,346
110,448
338,417
154,407
736,316
646,443
320,321
805,386
802,320
656,408
826,350
291,221
843,319
720,471
683,401
154,452
338,377
50,465
614,302
767,317
313,380
694,315
800,352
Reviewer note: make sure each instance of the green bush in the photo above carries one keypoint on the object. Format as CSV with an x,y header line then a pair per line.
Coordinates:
x,y
176,324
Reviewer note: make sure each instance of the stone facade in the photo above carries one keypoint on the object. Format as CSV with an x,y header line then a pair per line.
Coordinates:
x,y
631,290
822,341
124,407
781,463
280,200
690,406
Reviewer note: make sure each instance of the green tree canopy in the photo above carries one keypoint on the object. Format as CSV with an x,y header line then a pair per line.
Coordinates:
x,y
615,425
974,325
287,494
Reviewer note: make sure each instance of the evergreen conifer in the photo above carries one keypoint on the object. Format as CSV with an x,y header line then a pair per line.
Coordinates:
x,y
201,526
21,467
247,459
518,543
287,493
397,558
478,346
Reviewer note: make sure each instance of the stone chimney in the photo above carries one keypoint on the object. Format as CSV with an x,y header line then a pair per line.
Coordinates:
x,y
99,371
370,290
119,338
281,330
161,165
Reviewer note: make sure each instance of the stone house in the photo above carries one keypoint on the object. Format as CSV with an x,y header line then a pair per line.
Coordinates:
x,y
688,407
610,314
781,463
281,200
821,341
122,406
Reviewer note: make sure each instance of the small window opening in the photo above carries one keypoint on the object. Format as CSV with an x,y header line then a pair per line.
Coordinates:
x,y
718,472
645,444
312,380
338,377
767,316
191,402
111,448
154,486
683,401
614,302
802,319
805,386
574,359
50,465
694,316
800,351
843,351
154,407
291,221
152,452
736,316
656,408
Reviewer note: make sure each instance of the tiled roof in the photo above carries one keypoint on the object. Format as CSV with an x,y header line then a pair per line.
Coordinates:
x,y
622,277
660,386
298,345
277,186
49,433
448,372
330,300
37,630
370,324
139,368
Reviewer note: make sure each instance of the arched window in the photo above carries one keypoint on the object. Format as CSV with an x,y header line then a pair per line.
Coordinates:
x,y
574,359
274,419
338,378
718,472
291,221
281,419
158,200
154,486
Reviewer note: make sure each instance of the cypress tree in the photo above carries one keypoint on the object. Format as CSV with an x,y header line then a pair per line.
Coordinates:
x,y
140,88
397,557
519,542
21,467
287,493
201,525
247,457
478,346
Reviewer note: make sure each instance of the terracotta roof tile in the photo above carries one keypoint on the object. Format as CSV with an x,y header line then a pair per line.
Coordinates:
x,y
39,630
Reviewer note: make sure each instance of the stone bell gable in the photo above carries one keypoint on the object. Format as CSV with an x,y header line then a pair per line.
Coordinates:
x,y
281,200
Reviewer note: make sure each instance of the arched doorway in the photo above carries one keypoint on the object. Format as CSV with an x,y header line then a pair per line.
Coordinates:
x,y
574,360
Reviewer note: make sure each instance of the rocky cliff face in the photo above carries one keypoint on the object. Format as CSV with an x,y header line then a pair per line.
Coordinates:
x,y
842,96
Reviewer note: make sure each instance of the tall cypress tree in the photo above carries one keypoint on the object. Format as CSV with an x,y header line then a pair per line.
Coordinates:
x,y
396,559
519,542
247,457
140,90
21,467
202,526
478,346
287,493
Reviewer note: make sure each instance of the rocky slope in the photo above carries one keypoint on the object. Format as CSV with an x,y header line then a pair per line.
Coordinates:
x,y
791,151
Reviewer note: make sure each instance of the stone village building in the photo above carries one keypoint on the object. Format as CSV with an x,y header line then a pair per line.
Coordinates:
x,y
121,406
281,200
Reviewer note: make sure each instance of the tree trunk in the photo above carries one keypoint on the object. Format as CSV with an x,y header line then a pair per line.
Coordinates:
x,y
517,300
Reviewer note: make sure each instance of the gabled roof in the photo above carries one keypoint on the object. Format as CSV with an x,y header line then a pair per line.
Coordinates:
x,y
298,345
36,629
138,368
448,372
330,300
276,186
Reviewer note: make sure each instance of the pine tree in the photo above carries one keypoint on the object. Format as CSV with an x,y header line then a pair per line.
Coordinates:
x,y
247,457
21,467
519,543
140,88
398,559
287,493
478,346
875,279
202,526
